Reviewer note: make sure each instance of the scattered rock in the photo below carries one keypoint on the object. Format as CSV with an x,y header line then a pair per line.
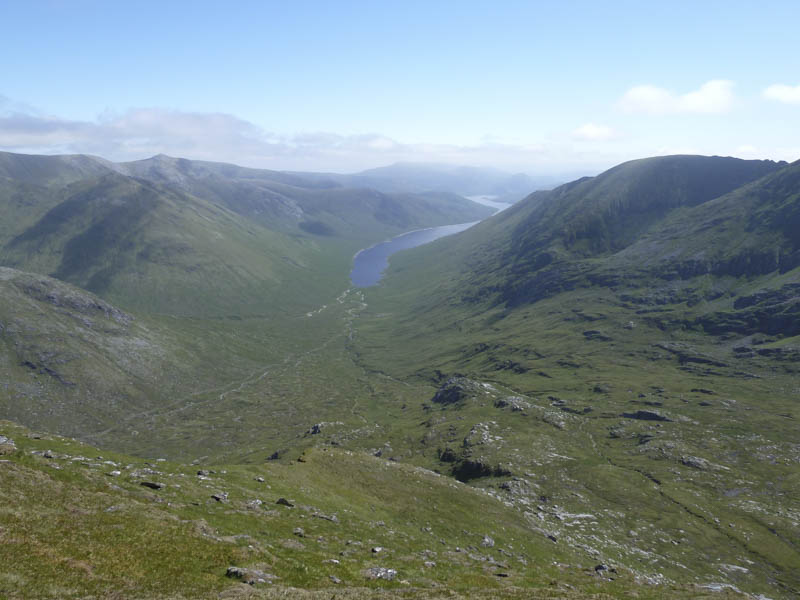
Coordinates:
x,y
429,564
380,573
377,549
334,579
260,479
49,454
487,542
203,473
220,496
153,485
299,532
284,502
250,576
114,473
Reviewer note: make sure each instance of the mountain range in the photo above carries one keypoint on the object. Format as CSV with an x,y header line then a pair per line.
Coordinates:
x,y
605,371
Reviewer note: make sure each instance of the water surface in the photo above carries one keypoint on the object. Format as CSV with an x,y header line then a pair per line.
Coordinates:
x,y
370,263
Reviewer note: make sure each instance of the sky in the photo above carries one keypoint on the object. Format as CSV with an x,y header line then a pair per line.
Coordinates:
x,y
545,88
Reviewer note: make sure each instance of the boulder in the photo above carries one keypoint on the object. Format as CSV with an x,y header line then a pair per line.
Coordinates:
x,y
456,390
647,415
7,445
250,576
153,485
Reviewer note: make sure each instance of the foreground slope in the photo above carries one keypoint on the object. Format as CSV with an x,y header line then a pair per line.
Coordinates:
x,y
644,377
78,523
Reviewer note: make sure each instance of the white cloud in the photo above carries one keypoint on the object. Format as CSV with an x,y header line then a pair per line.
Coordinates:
x,y
783,93
593,132
140,133
715,96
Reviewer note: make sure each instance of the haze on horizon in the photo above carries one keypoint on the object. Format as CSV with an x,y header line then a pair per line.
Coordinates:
x,y
347,86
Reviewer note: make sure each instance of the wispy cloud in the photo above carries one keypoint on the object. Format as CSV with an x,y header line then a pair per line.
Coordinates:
x,y
783,93
143,132
715,96
594,132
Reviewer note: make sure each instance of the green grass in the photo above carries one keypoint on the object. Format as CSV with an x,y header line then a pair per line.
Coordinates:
x,y
70,530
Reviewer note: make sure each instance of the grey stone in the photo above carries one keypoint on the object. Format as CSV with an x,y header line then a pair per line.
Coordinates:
x,y
380,573
250,576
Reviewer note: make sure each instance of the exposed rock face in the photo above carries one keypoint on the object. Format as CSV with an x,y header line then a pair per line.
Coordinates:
x,y
475,468
516,403
646,415
695,462
456,390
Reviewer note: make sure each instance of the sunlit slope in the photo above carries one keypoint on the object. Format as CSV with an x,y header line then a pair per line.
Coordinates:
x,y
78,522
663,364
199,239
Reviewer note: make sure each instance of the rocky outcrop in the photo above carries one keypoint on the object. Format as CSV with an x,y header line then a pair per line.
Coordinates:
x,y
456,390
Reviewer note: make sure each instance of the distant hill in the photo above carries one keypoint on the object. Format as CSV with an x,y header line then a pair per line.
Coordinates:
x,y
188,237
466,181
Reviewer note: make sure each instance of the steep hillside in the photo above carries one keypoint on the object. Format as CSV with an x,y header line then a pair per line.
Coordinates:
x,y
151,249
70,361
326,205
662,361
202,239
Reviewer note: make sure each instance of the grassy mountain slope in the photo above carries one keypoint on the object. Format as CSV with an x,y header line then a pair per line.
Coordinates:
x,y
319,205
200,239
624,371
79,523
70,361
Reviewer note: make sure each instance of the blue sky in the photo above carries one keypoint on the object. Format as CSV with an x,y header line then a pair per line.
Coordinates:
x,y
540,87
